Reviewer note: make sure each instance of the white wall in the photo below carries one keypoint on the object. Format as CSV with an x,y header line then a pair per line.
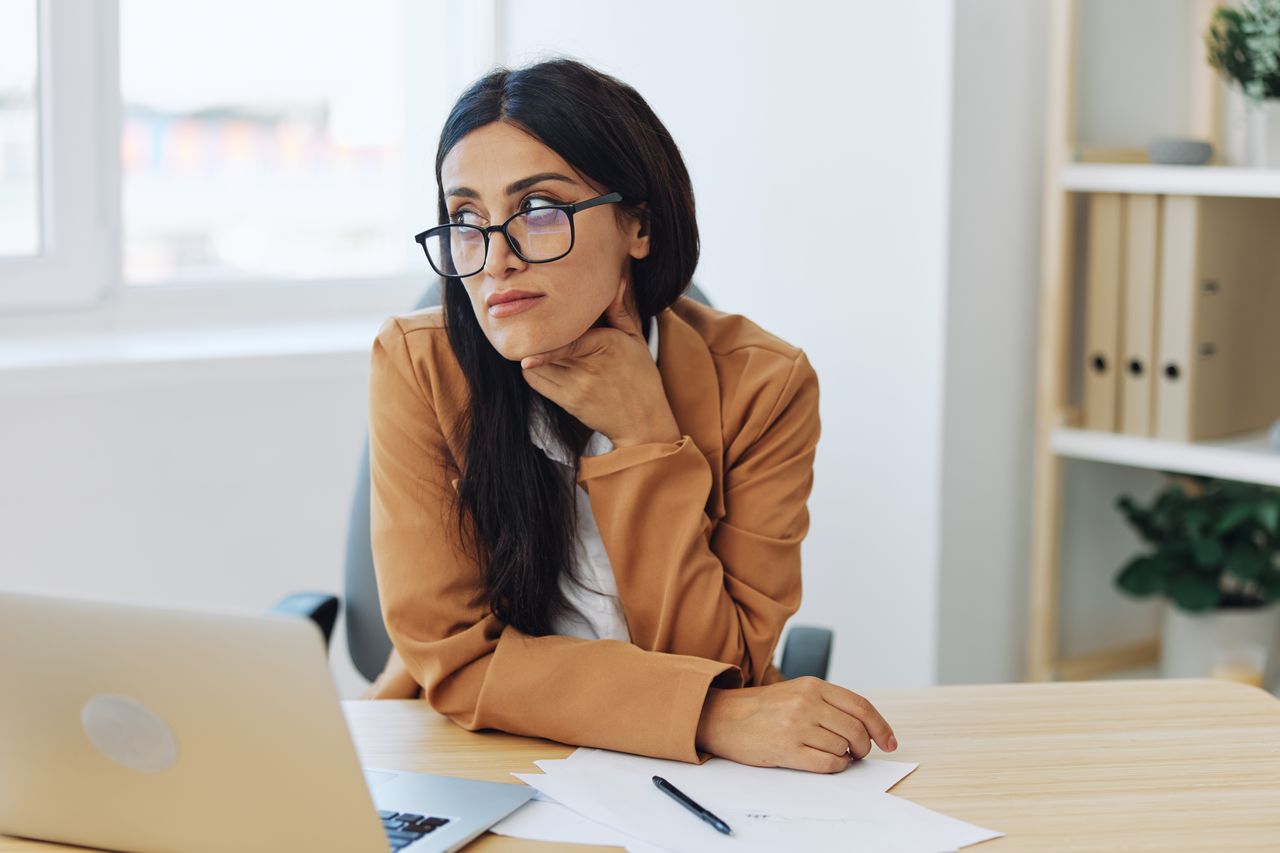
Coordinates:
x,y
997,169
807,111
222,484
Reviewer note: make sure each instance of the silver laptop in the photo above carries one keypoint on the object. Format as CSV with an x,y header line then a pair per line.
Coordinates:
x,y
152,729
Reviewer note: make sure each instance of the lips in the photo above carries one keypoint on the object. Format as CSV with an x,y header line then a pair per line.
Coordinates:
x,y
500,296
512,306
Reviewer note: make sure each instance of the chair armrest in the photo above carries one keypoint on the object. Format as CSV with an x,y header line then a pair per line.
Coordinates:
x,y
806,651
321,608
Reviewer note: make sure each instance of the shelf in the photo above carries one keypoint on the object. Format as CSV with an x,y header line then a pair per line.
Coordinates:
x,y
1170,180
1246,459
1062,323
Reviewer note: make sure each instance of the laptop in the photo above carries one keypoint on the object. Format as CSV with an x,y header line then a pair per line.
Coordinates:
x,y
144,729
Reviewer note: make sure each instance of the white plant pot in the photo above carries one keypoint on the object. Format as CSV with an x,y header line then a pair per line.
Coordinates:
x,y
1235,128
1196,645
1251,131
1264,132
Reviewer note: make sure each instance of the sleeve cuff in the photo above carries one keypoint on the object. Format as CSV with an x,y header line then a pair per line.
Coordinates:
x,y
628,457
689,698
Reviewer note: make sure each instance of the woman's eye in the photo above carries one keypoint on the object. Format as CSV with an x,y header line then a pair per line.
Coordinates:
x,y
546,201
470,217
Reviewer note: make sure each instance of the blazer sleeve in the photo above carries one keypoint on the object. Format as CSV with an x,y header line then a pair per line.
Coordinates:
x,y
473,668
718,591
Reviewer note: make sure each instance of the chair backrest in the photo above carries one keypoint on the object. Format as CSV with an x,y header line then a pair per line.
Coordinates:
x,y
367,639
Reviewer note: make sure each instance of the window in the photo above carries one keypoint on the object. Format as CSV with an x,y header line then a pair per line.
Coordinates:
x,y
19,120
275,151
228,147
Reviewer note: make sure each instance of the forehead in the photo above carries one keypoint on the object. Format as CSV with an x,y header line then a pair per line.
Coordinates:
x,y
490,157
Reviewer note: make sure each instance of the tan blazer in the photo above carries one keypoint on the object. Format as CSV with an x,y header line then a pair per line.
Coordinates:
x,y
703,535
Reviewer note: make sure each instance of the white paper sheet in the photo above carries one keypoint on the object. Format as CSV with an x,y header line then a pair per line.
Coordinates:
x,y
743,782
768,808
543,819
547,820
543,824
644,812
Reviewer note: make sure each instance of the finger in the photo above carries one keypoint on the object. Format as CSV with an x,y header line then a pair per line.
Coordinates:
x,y
568,351
530,362
553,369
856,706
817,761
826,740
850,729
543,380
619,316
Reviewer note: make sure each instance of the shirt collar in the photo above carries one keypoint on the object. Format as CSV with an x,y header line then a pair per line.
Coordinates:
x,y
540,424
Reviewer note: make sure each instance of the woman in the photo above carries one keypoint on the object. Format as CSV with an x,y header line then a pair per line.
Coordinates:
x,y
588,492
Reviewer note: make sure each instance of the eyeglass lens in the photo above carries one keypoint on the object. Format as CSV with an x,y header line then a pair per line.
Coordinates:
x,y
536,235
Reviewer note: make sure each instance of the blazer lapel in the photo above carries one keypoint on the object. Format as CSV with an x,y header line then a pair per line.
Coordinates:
x,y
693,390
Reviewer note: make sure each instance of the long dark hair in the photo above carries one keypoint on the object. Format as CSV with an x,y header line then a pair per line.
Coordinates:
x,y
516,509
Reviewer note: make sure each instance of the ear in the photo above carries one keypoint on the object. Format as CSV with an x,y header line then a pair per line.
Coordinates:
x,y
638,233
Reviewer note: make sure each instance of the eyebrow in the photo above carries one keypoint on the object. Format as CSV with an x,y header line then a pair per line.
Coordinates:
x,y
523,183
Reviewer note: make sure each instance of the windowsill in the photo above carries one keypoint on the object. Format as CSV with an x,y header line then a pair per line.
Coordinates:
x,y
167,346
206,325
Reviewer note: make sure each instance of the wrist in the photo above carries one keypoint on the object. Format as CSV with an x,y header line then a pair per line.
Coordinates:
x,y
651,438
666,431
704,739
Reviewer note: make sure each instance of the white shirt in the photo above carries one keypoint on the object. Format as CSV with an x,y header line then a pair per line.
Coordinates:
x,y
597,613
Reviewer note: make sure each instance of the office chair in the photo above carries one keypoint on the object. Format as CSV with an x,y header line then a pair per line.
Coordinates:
x,y
806,650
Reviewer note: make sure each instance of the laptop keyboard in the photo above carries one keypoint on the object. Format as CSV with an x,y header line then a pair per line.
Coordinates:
x,y
403,828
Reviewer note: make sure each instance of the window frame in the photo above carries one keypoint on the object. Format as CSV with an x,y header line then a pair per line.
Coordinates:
x,y
77,279
73,146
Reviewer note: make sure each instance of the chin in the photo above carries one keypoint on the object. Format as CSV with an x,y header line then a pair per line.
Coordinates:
x,y
514,344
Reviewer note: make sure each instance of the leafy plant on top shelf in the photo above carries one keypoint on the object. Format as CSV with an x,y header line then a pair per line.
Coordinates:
x,y
1216,544
1244,45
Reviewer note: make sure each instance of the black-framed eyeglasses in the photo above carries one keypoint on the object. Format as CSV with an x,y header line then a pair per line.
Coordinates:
x,y
538,235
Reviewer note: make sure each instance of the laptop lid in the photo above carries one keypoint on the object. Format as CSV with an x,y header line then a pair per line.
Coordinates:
x,y
147,729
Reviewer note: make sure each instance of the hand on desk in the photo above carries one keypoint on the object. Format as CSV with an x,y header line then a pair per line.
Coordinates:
x,y
804,724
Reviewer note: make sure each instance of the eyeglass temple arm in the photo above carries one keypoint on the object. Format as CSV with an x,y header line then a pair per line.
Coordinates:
x,y
604,199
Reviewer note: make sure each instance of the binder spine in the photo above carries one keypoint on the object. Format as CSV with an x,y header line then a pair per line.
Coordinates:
x,y
1103,299
1141,306
1175,369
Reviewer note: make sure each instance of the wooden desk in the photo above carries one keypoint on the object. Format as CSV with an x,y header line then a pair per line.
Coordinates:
x,y
1188,765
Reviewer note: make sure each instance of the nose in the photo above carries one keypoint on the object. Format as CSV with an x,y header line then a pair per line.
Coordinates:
x,y
501,257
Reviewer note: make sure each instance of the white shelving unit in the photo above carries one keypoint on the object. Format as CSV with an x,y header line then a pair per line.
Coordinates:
x,y
1058,438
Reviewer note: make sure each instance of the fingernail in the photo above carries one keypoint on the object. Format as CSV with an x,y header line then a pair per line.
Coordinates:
x,y
893,743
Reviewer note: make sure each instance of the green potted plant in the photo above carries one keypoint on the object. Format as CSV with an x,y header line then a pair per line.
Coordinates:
x,y
1215,557
1243,44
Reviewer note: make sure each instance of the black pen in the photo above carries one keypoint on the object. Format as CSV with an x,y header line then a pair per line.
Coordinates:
x,y
680,797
